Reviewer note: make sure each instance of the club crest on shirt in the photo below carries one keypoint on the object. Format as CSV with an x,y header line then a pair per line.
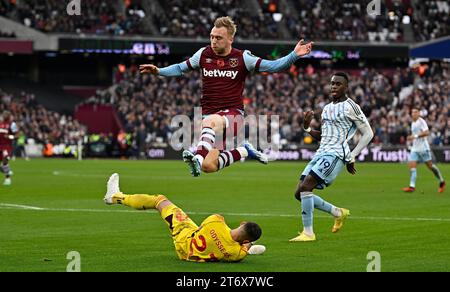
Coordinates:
x,y
220,62
234,62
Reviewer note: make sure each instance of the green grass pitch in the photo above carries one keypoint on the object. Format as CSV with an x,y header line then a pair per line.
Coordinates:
x,y
56,206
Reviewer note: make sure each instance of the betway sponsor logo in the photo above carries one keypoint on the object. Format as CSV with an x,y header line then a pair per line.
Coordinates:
x,y
220,73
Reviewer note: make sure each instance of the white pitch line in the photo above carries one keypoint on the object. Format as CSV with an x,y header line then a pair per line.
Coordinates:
x,y
32,208
24,207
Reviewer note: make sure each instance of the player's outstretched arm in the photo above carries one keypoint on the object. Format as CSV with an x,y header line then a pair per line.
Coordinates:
x,y
170,71
273,66
148,69
174,70
303,48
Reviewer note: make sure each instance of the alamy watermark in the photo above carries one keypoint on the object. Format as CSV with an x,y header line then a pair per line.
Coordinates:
x,y
262,131
75,261
374,8
374,259
74,7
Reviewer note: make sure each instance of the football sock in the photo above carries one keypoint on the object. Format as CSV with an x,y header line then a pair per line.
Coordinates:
x,y
323,205
226,158
206,143
437,173
139,202
144,202
307,212
336,212
412,182
6,169
207,139
201,155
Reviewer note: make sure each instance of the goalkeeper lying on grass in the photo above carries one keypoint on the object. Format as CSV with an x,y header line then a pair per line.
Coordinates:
x,y
212,241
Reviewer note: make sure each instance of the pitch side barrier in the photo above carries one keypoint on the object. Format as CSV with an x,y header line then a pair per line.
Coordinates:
x,y
372,154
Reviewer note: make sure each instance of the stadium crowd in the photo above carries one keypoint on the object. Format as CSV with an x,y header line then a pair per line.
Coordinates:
x,y
38,125
146,104
195,19
432,20
348,21
97,17
313,19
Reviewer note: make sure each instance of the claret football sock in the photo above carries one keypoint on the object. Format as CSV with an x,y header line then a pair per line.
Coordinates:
x,y
207,139
226,158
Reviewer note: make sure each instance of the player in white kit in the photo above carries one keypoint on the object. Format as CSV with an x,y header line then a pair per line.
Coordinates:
x,y
421,152
341,118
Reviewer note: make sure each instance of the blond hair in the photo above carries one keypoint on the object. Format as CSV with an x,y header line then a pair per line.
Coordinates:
x,y
226,22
